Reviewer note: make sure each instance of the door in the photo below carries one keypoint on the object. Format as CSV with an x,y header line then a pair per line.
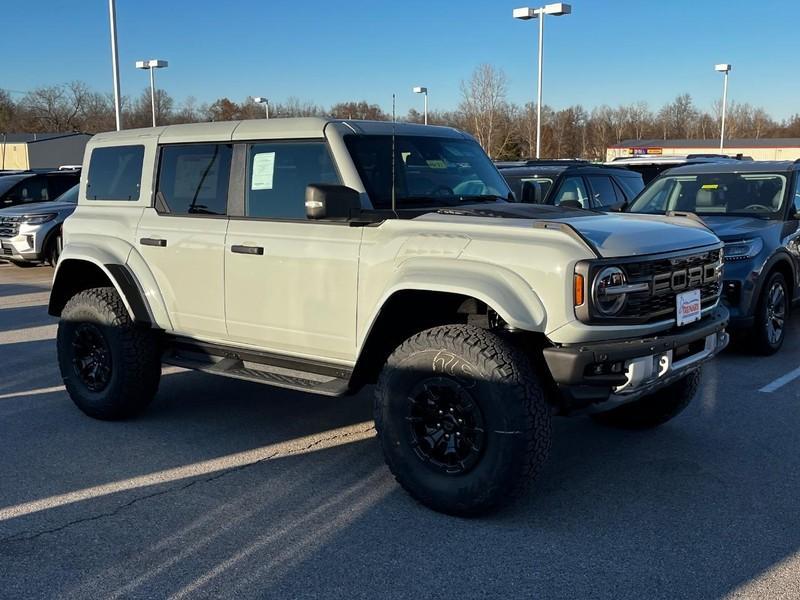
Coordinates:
x,y
290,283
182,238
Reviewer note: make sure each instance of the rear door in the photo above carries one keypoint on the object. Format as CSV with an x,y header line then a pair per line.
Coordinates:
x,y
182,237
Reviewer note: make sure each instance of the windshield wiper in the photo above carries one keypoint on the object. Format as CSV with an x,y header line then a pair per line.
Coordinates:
x,y
482,198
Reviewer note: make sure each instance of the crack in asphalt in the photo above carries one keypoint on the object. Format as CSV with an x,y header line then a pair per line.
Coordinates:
x,y
27,536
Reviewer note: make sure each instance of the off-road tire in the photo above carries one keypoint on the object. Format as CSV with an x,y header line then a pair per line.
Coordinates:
x,y
135,362
500,381
761,343
655,409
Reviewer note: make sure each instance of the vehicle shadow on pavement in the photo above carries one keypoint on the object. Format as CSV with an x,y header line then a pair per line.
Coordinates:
x,y
688,510
23,317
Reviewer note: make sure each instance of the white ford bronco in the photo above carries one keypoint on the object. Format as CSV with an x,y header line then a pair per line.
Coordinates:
x,y
325,255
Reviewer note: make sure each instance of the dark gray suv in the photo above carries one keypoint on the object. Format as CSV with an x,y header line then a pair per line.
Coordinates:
x,y
754,207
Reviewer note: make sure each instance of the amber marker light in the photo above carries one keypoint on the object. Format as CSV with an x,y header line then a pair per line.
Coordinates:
x,y
579,287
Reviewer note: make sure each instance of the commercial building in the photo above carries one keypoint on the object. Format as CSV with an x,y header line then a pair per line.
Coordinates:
x,y
41,150
757,149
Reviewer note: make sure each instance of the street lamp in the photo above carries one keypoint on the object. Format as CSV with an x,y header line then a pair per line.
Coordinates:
x,y
112,15
423,90
151,65
524,14
265,102
723,68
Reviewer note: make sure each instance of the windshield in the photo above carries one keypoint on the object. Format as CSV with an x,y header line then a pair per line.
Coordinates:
x,y
751,194
8,181
533,193
70,196
429,171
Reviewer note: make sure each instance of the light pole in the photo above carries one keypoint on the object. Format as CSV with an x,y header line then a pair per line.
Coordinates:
x,y
423,90
265,102
151,65
723,68
557,10
112,15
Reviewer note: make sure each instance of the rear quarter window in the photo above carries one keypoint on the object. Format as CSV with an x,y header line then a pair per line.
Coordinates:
x,y
115,173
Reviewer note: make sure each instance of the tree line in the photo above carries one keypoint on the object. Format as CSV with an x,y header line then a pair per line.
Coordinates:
x,y
505,130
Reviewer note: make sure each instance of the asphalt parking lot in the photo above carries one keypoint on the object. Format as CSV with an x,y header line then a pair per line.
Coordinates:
x,y
227,488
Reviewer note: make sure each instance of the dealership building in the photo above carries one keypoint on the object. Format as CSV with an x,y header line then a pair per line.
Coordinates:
x,y
41,150
757,149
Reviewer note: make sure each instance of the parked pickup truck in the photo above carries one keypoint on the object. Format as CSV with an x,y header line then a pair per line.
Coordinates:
x,y
324,255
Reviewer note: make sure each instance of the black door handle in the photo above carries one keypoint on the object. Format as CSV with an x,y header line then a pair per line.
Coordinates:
x,y
153,242
237,249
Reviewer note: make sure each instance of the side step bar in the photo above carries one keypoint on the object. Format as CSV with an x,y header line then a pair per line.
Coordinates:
x,y
283,372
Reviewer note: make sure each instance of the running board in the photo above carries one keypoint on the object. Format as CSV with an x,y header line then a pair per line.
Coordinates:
x,y
255,367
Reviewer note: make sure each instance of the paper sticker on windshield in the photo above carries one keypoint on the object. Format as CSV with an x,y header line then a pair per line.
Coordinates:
x,y
263,171
436,164
710,186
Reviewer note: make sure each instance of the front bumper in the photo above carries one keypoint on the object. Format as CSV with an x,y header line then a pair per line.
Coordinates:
x,y
600,376
19,248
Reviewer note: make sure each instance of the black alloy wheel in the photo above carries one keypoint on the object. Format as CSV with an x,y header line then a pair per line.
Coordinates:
x,y
91,357
445,425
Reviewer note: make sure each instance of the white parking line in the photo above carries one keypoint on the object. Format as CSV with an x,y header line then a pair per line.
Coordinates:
x,y
781,381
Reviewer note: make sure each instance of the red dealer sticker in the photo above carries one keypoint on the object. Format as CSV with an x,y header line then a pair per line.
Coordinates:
x,y
689,307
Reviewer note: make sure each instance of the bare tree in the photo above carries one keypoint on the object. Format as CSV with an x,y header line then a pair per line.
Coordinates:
x,y
485,107
56,108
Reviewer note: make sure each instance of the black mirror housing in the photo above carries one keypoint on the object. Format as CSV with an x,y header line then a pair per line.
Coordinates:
x,y
331,202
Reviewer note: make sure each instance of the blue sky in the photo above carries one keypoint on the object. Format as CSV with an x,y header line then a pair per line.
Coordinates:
x,y
607,51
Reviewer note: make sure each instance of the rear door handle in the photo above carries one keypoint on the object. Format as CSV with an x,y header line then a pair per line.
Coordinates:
x,y
153,242
239,249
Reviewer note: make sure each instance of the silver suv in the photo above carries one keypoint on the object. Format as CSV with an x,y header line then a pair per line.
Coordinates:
x,y
31,234
325,255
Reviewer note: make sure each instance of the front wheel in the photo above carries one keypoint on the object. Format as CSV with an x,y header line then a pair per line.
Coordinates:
x,y
771,316
53,252
110,368
462,419
655,409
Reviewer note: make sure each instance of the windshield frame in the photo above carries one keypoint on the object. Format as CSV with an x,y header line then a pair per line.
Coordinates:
x,y
489,185
655,187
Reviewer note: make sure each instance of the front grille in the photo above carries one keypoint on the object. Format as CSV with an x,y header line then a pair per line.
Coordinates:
x,y
649,306
9,226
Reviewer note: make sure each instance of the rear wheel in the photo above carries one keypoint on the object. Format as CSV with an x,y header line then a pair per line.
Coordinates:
x,y
655,409
462,420
110,368
771,316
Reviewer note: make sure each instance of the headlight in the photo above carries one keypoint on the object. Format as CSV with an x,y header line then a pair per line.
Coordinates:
x,y
609,291
38,219
744,249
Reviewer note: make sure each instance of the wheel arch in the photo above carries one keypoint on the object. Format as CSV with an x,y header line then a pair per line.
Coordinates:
x,y
780,263
427,298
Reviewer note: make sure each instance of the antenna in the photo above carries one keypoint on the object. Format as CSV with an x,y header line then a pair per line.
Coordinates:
x,y
394,157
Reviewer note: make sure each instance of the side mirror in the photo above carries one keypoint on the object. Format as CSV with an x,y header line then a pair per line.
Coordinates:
x,y
331,202
531,193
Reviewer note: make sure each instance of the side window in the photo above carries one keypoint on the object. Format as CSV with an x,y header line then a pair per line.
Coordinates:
x,y
572,193
603,191
193,179
58,184
632,185
277,176
115,173
797,195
